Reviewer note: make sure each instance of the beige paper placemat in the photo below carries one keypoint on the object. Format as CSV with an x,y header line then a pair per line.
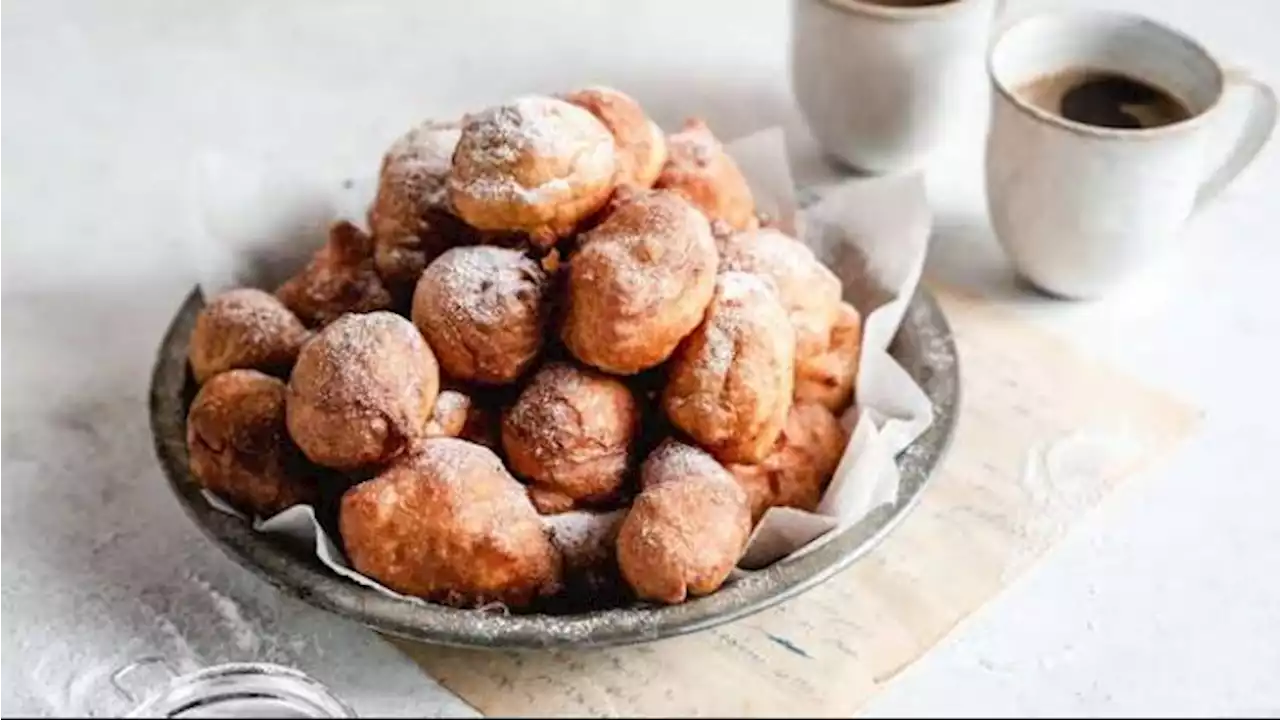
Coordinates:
x,y
1043,436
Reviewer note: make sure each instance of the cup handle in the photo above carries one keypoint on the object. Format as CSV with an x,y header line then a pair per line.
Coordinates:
x,y
1257,129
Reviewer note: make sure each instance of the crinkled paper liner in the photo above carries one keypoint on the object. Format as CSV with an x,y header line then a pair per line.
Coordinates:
x,y
256,223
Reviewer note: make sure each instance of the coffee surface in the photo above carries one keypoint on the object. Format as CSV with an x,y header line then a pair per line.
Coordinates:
x,y
1105,99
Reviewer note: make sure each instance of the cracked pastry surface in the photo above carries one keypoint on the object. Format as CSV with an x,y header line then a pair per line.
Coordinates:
x,y
687,528
730,382
639,284
537,165
641,144
809,291
699,169
362,391
570,434
448,523
484,310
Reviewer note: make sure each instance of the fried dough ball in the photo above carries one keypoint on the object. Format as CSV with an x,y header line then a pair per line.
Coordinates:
x,y
699,169
570,435
731,381
536,165
642,146
796,473
639,284
362,391
410,216
239,447
340,278
484,310
687,527
829,377
449,416
244,328
809,290
448,523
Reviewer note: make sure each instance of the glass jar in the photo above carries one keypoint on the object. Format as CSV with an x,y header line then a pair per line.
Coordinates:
x,y
233,690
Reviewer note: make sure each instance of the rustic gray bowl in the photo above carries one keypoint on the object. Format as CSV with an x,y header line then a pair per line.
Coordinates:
x,y
923,346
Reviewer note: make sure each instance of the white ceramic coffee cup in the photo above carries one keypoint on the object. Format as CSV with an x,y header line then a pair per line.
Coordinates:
x,y
1079,208
880,85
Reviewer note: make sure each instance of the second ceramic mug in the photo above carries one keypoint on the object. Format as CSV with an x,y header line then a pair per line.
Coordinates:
x,y
879,82
1080,207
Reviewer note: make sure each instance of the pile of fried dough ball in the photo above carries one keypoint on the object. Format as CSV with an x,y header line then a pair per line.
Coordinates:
x,y
568,354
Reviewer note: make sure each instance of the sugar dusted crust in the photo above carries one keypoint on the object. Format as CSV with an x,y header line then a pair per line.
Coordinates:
x,y
684,536
537,165
362,391
639,284
448,523
730,382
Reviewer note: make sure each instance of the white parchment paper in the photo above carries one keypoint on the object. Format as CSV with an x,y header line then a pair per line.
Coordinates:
x,y
258,222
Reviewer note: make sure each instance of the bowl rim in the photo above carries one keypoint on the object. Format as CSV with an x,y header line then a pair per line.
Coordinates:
x,y
935,367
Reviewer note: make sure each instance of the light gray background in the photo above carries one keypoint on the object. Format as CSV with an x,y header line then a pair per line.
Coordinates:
x,y
1166,600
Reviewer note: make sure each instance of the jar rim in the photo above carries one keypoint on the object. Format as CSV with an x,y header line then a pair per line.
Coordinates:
x,y
243,681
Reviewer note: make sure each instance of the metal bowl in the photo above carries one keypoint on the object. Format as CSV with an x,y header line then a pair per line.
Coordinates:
x,y
923,346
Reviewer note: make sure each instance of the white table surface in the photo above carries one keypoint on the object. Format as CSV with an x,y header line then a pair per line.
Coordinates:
x,y
1165,600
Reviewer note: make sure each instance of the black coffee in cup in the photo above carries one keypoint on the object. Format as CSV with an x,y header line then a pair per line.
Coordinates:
x,y
1105,99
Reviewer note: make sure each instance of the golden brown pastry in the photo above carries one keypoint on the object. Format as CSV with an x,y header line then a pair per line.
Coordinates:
x,y
809,291
410,216
449,524
796,473
730,382
639,284
484,310
699,169
570,435
829,377
537,165
362,391
340,278
642,146
239,447
244,328
686,529
449,415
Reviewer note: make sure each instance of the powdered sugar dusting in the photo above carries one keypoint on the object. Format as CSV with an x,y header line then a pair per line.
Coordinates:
x,y
696,143
728,318
545,412
354,344
449,456
674,460
483,284
257,315
585,538
645,248
421,159
500,144
767,251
